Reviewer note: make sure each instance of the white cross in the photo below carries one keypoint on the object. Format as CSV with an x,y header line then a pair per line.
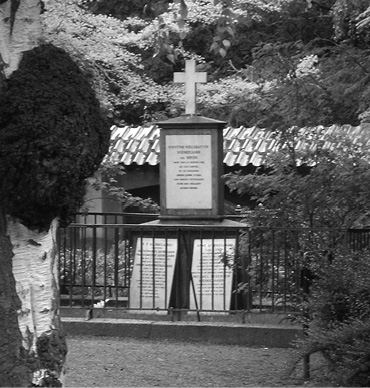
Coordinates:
x,y
190,78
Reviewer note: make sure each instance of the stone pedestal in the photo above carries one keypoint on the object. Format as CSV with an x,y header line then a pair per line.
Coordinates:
x,y
191,166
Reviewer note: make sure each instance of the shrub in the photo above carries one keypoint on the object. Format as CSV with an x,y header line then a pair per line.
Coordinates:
x,y
338,309
52,137
113,269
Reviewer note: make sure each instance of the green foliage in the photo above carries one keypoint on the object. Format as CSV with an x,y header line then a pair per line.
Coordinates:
x,y
339,311
111,188
146,9
52,137
271,262
109,52
327,84
316,187
363,20
219,100
340,291
78,268
345,16
282,39
131,49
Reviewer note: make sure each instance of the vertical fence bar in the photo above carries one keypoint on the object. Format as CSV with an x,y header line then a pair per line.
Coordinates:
x,y
296,262
105,261
129,263
238,265
286,266
261,270
131,257
166,296
192,284
141,267
94,253
83,231
273,272
201,271
213,271
305,290
278,270
116,264
226,265
153,270
71,260
249,277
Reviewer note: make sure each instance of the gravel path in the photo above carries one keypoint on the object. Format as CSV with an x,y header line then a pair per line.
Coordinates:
x,y
128,362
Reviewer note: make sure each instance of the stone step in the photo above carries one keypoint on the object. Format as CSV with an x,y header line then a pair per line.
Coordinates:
x,y
247,334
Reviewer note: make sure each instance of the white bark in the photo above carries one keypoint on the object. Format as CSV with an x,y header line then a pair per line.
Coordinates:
x,y
35,268
24,35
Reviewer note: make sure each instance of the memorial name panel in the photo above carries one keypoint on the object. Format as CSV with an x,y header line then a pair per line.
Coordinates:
x,y
188,172
152,274
212,273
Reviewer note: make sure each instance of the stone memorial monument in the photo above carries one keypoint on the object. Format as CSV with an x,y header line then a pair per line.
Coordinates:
x,y
192,193
191,159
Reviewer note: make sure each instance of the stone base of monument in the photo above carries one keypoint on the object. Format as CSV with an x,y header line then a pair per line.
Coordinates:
x,y
219,221
192,259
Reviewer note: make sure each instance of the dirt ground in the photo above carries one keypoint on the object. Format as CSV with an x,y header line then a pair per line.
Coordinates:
x,y
128,362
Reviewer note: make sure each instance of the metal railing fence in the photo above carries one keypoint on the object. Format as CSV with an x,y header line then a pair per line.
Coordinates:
x,y
146,267
96,218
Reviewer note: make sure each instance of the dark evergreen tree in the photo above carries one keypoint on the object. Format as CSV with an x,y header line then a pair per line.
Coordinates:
x,y
52,137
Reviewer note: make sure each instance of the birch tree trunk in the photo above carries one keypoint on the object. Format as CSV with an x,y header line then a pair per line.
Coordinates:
x,y
20,31
32,347
35,269
13,357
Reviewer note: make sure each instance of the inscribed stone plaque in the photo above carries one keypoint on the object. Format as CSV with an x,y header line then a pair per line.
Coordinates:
x,y
152,274
212,273
188,172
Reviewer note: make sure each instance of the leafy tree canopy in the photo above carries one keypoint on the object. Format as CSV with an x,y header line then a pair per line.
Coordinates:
x,y
270,63
320,186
